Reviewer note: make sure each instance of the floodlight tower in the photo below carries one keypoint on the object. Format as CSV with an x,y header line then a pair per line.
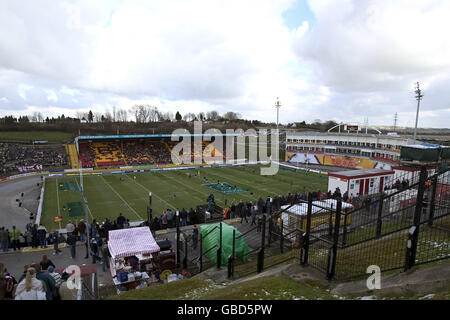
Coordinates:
x,y
395,121
278,105
419,96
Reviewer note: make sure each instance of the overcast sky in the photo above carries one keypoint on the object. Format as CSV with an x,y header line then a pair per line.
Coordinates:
x,y
325,59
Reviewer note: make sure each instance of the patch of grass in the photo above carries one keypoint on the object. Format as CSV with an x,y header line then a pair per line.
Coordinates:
x,y
51,136
175,290
269,288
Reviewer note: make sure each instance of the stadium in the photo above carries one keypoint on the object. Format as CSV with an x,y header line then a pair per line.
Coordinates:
x,y
121,182
214,150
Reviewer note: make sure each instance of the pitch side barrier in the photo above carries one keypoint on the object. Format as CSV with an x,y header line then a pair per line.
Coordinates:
x,y
41,203
129,169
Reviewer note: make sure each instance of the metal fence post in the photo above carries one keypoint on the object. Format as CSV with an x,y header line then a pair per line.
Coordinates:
x,y
305,248
380,214
200,259
432,201
219,249
344,234
233,252
281,236
331,270
411,249
269,238
263,235
330,223
230,267
260,256
185,259
177,220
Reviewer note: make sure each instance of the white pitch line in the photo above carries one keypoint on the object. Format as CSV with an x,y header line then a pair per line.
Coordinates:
x,y
153,193
121,198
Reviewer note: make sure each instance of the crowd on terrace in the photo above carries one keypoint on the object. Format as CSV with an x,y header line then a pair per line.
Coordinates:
x,y
14,156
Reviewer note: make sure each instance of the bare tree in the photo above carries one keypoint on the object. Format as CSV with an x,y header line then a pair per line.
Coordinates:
x,y
82,115
231,116
189,116
108,117
121,115
213,115
98,117
153,116
201,116
144,113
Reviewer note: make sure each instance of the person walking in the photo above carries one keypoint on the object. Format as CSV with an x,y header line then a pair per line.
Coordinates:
x,y
105,257
233,210
42,234
70,227
243,212
72,242
94,251
164,220
55,238
28,238
170,219
183,217
15,235
254,211
34,237
82,230
4,239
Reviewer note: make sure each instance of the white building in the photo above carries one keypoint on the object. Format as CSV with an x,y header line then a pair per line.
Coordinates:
x,y
360,182
302,146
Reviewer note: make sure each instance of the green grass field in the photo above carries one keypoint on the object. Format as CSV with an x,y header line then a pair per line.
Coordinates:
x,y
108,196
51,136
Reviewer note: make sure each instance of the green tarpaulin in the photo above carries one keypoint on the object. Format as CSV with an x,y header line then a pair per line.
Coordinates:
x,y
75,209
211,242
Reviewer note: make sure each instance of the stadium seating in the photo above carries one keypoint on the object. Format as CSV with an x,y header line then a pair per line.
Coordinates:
x,y
107,154
15,157
86,155
134,153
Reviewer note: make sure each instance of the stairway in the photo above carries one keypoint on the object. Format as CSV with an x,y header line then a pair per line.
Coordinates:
x,y
73,155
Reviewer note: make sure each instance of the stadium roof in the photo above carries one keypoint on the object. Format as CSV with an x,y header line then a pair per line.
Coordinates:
x,y
343,134
362,173
161,135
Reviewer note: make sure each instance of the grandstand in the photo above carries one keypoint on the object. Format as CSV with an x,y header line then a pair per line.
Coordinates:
x,y
134,150
347,149
18,157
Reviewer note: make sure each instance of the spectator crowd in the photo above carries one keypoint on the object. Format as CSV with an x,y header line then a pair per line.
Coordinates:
x,y
14,155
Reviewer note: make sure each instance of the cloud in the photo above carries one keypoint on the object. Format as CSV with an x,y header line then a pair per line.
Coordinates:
x,y
371,53
344,60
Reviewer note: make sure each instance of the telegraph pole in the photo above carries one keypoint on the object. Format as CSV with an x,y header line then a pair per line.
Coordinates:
x,y
419,96
278,105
